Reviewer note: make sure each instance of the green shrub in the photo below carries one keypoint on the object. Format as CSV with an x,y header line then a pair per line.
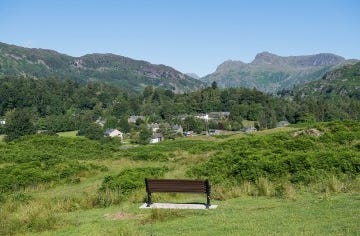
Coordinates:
x,y
129,180
47,170
35,147
281,156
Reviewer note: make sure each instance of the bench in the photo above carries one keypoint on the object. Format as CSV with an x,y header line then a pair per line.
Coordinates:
x,y
177,186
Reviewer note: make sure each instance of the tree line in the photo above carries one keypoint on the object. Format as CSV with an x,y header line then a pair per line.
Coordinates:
x,y
55,105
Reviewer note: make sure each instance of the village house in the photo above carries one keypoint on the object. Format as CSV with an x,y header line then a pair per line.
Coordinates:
x,y
188,133
2,122
219,115
203,117
157,137
100,122
283,123
154,127
114,133
249,129
177,129
214,132
133,119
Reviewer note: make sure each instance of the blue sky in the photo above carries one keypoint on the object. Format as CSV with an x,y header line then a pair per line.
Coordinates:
x,y
189,35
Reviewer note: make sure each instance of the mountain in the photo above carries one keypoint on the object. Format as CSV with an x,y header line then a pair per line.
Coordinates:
x,y
193,75
270,73
110,68
344,81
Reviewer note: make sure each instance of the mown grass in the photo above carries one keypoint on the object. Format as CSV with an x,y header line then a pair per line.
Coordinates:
x,y
69,134
308,215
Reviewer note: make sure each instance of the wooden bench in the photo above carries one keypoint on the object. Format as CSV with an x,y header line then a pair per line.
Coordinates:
x,y
177,186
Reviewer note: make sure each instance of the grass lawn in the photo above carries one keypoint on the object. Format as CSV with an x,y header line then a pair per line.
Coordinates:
x,y
71,134
248,123
308,215
2,136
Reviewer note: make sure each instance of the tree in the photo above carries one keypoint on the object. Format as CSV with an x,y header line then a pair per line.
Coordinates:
x,y
124,125
196,125
144,135
214,85
111,123
91,131
148,91
18,124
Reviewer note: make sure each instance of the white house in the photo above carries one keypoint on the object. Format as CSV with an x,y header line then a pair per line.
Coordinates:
x,y
157,137
219,115
203,117
2,122
154,127
114,133
178,129
133,119
250,129
100,122
283,123
214,131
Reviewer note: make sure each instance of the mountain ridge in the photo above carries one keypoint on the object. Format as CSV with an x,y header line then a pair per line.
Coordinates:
x,y
105,67
269,72
343,81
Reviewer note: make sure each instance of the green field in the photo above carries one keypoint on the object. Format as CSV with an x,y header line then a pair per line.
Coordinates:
x,y
308,215
68,134
276,182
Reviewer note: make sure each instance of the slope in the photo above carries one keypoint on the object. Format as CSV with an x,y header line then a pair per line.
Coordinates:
x,y
113,69
270,73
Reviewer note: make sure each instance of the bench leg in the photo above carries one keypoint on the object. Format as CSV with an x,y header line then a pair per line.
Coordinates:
x,y
148,200
208,201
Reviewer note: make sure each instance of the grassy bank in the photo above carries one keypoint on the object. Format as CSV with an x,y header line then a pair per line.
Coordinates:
x,y
308,215
260,182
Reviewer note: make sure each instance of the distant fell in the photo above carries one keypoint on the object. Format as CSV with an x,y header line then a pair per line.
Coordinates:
x,y
193,75
270,73
343,81
110,68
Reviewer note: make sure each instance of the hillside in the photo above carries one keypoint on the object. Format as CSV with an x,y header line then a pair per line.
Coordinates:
x,y
270,73
117,70
53,185
344,81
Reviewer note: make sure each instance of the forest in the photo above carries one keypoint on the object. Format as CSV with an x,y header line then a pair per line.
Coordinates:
x,y
55,106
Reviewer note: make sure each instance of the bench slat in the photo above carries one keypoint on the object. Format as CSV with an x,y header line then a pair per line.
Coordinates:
x,y
178,186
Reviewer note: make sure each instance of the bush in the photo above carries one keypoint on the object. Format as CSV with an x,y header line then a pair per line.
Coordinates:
x,y
18,124
280,156
47,170
91,131
129,180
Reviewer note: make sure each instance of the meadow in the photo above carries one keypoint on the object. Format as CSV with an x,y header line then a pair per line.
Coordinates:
x,y
301,180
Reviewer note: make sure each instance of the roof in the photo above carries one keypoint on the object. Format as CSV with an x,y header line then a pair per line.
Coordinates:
x,y
134,118
109,131
283,123
177,127
157,135
219,115
154,125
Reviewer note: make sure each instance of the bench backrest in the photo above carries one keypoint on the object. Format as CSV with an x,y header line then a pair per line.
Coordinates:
x,y
177,186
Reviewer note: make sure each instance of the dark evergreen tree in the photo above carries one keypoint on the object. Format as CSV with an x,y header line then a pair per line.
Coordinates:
x,y
18,124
